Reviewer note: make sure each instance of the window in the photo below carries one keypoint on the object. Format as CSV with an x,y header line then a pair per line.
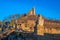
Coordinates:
x,y
19,24
31,28
25,25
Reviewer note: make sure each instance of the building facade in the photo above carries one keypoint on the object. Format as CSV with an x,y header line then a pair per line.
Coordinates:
x,y
31,20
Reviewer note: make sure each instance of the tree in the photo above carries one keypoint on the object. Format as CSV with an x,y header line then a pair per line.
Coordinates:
x,y
12,17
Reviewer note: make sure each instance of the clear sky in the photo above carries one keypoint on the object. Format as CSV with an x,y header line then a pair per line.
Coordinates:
x,y
47,8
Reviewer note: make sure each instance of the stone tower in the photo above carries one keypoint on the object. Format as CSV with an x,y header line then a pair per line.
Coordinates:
x,y
32,12
40,27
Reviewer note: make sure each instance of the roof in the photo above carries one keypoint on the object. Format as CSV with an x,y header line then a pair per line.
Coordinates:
x,y
24,19
50,20
52,25
32,17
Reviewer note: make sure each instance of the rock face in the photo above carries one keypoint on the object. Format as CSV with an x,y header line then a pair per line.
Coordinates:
x,y
43,25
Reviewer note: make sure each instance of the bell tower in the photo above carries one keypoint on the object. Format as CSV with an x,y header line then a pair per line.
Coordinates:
x,y
32,12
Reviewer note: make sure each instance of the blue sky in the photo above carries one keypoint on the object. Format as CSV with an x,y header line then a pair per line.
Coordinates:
x,y
47,8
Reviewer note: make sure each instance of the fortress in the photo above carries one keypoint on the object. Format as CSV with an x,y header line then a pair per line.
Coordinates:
x,y
38,24
31,27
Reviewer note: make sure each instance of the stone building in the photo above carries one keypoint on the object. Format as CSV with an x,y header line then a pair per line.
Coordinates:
x,y
27,22
31,20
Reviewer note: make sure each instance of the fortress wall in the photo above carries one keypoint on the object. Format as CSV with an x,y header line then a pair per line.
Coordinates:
x,y
52,27
40,30
52,31
47,30
31,24
55,31
40,27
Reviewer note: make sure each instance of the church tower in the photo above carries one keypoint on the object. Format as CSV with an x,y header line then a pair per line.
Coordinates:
x,y
32,12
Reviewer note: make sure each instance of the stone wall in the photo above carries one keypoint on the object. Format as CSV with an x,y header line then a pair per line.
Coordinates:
x,y
52,27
